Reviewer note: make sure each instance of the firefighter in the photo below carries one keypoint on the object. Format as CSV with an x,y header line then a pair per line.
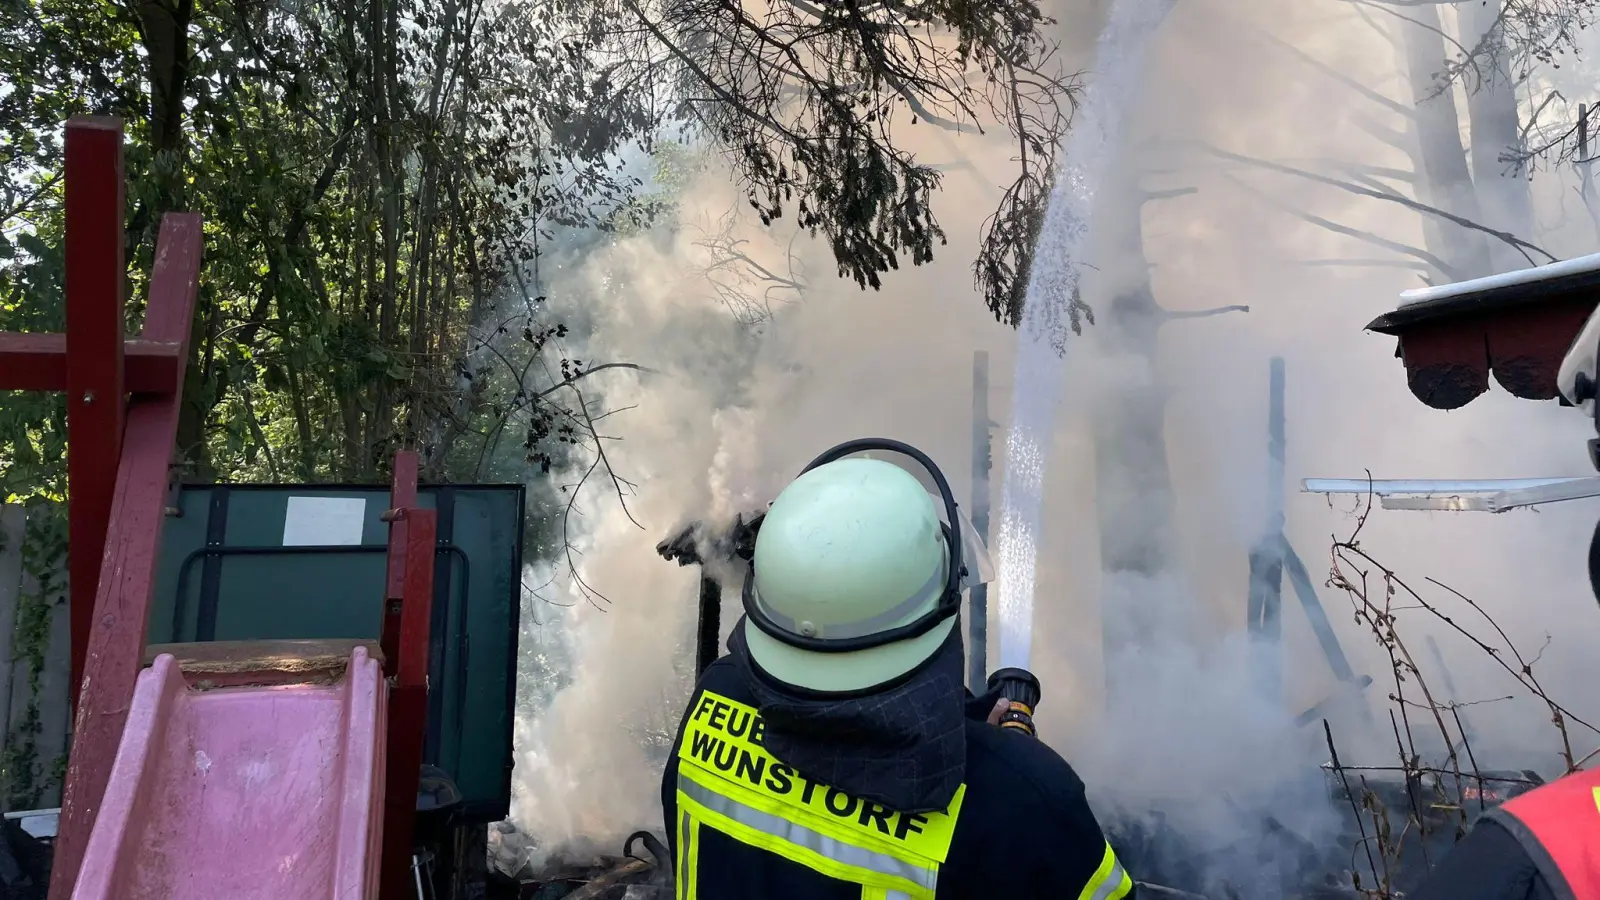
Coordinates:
x,y
1545,844
834,753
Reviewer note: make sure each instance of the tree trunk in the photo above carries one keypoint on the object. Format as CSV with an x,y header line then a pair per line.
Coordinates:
x,y
165,33
302,422
1496,131
1444,159
164,30
384,27
1133,485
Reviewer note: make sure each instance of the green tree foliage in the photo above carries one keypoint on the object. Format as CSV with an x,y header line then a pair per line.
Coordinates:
x,y
380,179
814,98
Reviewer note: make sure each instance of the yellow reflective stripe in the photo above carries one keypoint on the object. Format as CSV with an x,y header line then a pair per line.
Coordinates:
x,y
793,853
871,892
694,860
1109,882
688,855
816,850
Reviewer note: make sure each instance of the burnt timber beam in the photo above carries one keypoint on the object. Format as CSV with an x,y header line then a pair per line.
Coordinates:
x,y
684,547
982,462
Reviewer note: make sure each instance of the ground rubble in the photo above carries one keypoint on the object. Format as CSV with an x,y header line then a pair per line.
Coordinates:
x,y
642,871
24,863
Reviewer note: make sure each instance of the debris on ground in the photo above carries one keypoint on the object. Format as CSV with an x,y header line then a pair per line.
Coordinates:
x,y
511,851
24,863
642,872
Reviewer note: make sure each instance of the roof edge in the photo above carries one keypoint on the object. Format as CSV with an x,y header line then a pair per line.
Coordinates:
x,y
1494,298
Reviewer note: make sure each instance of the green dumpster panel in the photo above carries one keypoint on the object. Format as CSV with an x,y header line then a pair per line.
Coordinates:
x,y
266,562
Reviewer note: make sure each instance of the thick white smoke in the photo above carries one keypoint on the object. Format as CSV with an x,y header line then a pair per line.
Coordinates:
x,y
734,412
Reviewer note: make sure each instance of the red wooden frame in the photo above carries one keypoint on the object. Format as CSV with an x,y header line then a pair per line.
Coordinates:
x,y
119,451
38,362
402,495
95,274
408,606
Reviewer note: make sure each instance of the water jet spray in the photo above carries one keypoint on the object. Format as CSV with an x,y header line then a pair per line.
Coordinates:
x,y
1053,286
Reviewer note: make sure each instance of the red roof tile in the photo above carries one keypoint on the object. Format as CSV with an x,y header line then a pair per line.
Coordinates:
x,y
1518,326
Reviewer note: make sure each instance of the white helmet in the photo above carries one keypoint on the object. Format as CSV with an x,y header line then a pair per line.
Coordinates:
x,y
855,580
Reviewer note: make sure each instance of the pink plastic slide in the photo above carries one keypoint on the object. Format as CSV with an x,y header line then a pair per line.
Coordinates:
x,y
244,793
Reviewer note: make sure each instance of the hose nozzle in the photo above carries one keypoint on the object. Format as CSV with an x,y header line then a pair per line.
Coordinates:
x,y
1021,688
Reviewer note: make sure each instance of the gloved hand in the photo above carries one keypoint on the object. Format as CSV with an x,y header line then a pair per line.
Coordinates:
x,y
989,706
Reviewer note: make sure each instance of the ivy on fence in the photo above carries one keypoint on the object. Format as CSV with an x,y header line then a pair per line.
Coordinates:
x,y
24,778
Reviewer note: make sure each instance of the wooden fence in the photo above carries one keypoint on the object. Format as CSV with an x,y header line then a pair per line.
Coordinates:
x,y
34,656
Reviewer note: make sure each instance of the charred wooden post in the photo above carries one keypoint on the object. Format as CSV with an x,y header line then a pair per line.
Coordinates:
x,y
982,460
708,631
736,542
1264,617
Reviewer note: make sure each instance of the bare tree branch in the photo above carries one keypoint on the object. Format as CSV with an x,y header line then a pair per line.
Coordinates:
x,y
749,289
1438,264
1385,8
1521,245
1330,72
1170,193
1393,137
17,204
1412,264
1201,313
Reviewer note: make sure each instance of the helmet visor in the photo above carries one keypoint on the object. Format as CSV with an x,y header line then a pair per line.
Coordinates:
x,y
975,553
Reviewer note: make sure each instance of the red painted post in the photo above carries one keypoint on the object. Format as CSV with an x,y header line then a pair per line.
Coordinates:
x,y
403,483
95,269
132,545
402,495
417,604
408,702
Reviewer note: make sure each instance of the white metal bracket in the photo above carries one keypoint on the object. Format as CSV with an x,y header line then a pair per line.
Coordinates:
x,y
39,823
1488,495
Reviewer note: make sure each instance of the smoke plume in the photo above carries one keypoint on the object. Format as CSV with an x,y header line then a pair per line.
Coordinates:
x,y
734,407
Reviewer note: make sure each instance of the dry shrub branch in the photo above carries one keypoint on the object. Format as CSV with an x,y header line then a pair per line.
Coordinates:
x,y
1441,791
